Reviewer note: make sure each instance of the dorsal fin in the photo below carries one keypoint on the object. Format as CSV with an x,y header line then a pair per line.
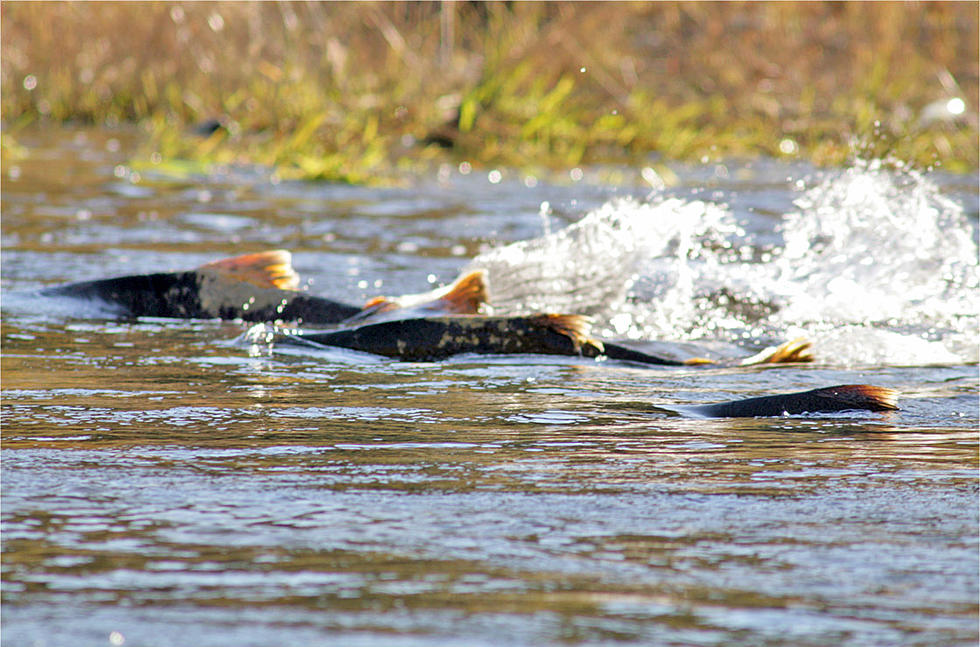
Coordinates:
x,y
575,327
269,269
863,396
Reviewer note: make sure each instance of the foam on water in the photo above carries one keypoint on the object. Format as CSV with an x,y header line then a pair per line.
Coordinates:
x,y
874,264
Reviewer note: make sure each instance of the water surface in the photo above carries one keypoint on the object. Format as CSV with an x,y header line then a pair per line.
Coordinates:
x,y
166,480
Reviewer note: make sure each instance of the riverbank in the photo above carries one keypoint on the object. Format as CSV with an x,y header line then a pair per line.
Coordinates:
x,y
358,91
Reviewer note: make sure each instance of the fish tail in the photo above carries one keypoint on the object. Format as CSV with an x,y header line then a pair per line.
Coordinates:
x,y
268,269
467,293
793,351
464,296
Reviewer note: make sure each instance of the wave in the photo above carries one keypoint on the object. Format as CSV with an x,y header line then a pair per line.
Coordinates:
x,y
874,264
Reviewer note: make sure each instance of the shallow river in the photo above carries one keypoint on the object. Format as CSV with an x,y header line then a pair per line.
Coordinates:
x,y
169,483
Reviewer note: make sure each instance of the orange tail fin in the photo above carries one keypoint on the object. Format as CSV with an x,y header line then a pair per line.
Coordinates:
x,y
462,297
467,293
795,350
270,269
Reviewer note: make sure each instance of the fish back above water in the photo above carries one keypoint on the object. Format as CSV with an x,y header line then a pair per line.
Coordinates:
x,y
435,338
202,294
848,397
258,287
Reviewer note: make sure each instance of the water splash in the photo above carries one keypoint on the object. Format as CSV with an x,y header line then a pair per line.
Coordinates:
x,y
876,265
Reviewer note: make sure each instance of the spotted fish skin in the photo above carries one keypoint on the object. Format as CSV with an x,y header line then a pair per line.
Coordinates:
x,y
201,294
845,397
435,338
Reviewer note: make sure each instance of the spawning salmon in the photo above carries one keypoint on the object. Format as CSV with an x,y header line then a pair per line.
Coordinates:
x,y
845,397
257,287
436,338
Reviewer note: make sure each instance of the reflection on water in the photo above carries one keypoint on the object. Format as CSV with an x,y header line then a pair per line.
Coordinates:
x,y
161,481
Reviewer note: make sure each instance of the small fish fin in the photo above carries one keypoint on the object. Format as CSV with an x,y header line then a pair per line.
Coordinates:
x,y
575,327
698,361
862,396
467,293
270,269
793,351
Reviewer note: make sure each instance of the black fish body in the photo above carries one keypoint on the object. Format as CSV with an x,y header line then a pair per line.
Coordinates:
x,y
200,294
435,338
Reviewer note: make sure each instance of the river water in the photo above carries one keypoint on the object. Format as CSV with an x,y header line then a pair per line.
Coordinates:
x,y
169,483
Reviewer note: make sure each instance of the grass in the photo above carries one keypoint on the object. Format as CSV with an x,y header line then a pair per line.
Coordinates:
x,y
360,92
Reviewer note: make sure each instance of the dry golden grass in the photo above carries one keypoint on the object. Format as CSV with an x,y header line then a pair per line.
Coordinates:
x,y
351,91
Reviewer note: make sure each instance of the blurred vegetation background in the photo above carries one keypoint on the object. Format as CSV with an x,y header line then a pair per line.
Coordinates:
x,y
358,91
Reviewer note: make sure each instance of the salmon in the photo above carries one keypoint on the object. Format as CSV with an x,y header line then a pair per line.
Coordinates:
x,y
845,397
436,338
256,287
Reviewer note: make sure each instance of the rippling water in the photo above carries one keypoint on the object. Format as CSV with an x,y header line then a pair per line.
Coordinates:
x,y
164,481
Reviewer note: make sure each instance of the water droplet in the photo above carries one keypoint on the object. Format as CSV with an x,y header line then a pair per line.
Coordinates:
x,y
216,22
651,177
956,106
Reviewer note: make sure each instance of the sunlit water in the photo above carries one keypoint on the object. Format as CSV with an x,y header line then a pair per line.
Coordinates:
x,y
166,483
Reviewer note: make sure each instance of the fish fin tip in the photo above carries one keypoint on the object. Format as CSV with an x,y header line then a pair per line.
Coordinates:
x,y
267,269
